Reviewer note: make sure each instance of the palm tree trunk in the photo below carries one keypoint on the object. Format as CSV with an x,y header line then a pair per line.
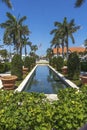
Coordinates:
x,y
67,47
20,50
63,48
25,50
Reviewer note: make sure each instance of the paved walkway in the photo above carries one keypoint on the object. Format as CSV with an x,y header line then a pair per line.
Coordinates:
x,y
42,62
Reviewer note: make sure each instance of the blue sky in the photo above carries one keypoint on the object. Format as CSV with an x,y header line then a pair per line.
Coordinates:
x,y
41,15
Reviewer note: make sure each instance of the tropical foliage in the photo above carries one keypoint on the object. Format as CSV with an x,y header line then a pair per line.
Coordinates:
x,y
49,53
73,64
62,33
16,66
14,32
78,3
8,3
32,111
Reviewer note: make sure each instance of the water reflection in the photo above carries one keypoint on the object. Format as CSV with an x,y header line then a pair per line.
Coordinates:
x,y
44,80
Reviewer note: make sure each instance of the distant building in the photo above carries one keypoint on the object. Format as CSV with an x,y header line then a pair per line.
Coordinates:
x,y
71,49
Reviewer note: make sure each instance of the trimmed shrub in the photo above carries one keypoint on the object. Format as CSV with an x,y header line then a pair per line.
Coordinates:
x,y
83,66
7,66
59,63
2,67
29,62
32,61
73,65
54,61
16,66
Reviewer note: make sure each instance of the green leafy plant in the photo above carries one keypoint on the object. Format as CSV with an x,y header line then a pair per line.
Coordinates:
x,y
73,64
83,66
29,62
59,63
2,67
16,66
32,111
24,111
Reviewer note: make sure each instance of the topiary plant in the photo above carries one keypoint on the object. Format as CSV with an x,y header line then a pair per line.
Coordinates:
x,y
73,65
16,66
59,63
2,67
27,62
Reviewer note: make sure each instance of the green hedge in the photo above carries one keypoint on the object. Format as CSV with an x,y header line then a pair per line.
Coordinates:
x,y
29,62
4,67
84,66
32,111
16,66
73,64
57,62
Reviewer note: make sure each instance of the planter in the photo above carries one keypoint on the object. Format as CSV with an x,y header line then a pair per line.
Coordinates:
x,y
64,70
8,82
25,70
83,79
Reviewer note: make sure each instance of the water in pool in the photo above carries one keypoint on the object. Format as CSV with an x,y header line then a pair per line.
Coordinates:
x,y
44,80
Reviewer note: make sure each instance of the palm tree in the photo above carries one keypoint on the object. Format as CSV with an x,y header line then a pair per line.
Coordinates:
x,y
34,48
8,3
14,30
58,39
68,30
49,52
65,31
25,43
56,44
78,3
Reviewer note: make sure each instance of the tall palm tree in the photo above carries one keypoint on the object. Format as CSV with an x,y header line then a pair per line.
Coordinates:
x,y
65,31
49,53
25,43
69,29
78,3
14,29
57,40
8,3
56,44
34,48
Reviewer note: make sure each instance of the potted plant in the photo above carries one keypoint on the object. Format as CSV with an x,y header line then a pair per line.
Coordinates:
x,y
8,82
64,70
25,70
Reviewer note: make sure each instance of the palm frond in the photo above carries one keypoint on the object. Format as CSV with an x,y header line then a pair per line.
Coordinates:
x,y
22,19
10,16
79,3
8,3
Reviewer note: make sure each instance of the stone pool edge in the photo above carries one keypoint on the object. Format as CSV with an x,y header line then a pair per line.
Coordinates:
x,y
51,97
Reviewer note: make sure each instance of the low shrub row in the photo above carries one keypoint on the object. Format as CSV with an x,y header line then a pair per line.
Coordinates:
x,y
32,111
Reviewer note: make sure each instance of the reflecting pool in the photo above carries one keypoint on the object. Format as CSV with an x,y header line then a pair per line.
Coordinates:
x,y
44,80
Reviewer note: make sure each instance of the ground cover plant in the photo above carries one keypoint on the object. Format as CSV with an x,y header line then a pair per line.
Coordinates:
x,y
32,111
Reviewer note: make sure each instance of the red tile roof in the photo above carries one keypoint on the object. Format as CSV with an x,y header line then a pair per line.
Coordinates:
x,y
71,49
